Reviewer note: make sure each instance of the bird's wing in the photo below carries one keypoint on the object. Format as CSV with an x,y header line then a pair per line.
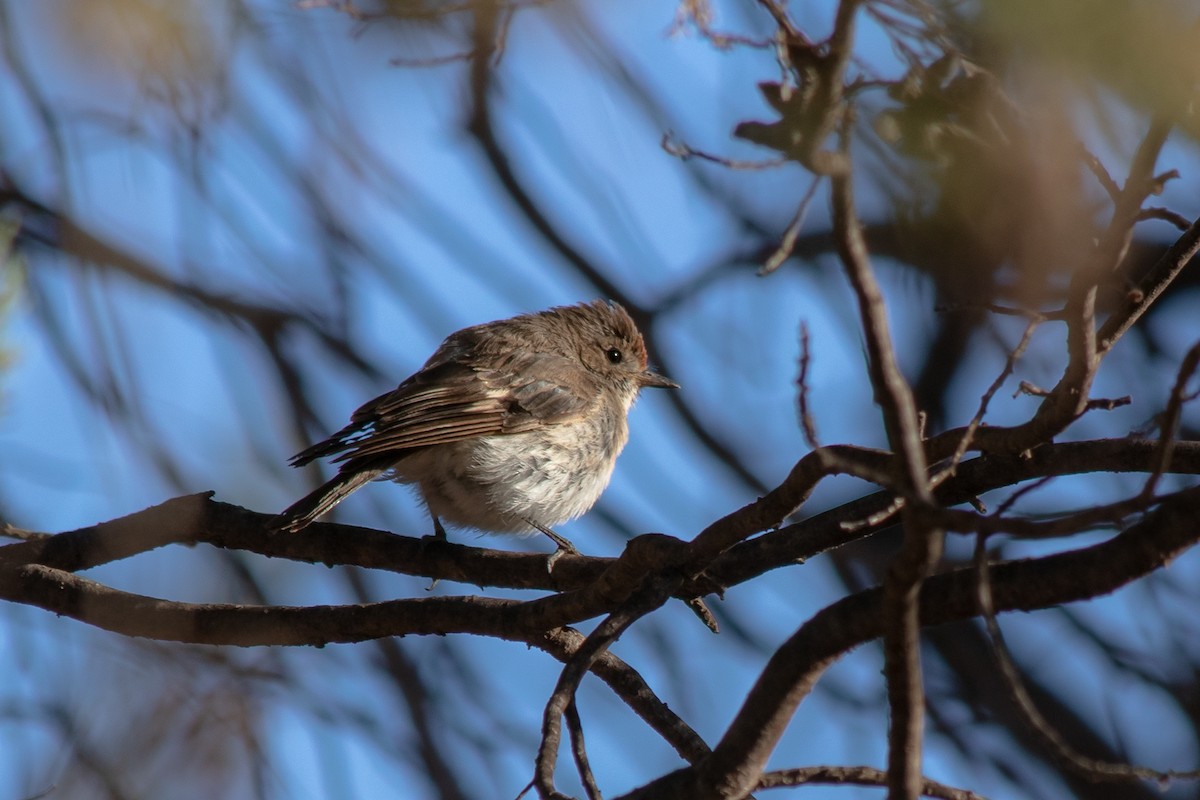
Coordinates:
x,y
449,400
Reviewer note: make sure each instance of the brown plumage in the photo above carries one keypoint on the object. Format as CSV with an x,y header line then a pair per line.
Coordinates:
x,y
510,426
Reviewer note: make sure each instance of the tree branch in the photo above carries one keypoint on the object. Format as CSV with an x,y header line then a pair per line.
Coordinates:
x,y
922,541
1023,585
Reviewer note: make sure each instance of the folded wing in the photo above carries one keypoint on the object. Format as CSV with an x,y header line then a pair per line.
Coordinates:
x,y
448,401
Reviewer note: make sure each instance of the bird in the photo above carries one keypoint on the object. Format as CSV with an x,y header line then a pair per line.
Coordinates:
x,y
512,426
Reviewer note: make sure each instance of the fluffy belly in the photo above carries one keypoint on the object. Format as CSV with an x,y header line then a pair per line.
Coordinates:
x,y
501,483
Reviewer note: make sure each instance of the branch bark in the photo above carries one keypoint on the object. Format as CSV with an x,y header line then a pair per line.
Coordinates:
x,y
736,763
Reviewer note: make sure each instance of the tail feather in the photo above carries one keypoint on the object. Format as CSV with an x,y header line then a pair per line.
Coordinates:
x,y
298,515
326,447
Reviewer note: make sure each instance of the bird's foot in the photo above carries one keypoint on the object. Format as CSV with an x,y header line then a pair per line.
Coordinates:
x,y
562,544
439,533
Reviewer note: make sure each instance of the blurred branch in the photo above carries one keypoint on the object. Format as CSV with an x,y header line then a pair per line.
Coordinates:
x,y
1088,767
57,231
481,128
808,426
963,649
1046,423
811,98
420,703
787,243
1167,215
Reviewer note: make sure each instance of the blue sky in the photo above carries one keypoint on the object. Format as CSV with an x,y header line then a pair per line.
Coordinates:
x,y
307,116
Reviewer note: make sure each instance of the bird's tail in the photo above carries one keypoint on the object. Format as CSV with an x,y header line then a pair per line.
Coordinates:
x,y
298,515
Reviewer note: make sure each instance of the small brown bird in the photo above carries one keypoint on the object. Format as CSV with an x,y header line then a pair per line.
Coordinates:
x,y
512,426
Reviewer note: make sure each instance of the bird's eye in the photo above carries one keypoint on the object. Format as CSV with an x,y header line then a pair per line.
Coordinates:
x,y
614,355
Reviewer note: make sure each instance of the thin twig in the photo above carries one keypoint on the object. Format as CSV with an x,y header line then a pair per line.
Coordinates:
x,y
632,689
1013,498
1088,518
1170,418
9,531
807,424
1035,316
788,242
1068,400
652,594
699,16
1098,169
1156,281
878,518
1010,364
579,751
783,22
703,613
1107,403
683,152
1167,215
855,776
432,61
1033,390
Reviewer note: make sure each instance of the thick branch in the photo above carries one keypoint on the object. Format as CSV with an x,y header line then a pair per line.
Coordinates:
x,y
196,519
63,593
1023,585
826,531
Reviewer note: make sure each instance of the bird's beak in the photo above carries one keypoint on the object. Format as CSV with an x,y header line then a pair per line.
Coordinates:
x,y
653,379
